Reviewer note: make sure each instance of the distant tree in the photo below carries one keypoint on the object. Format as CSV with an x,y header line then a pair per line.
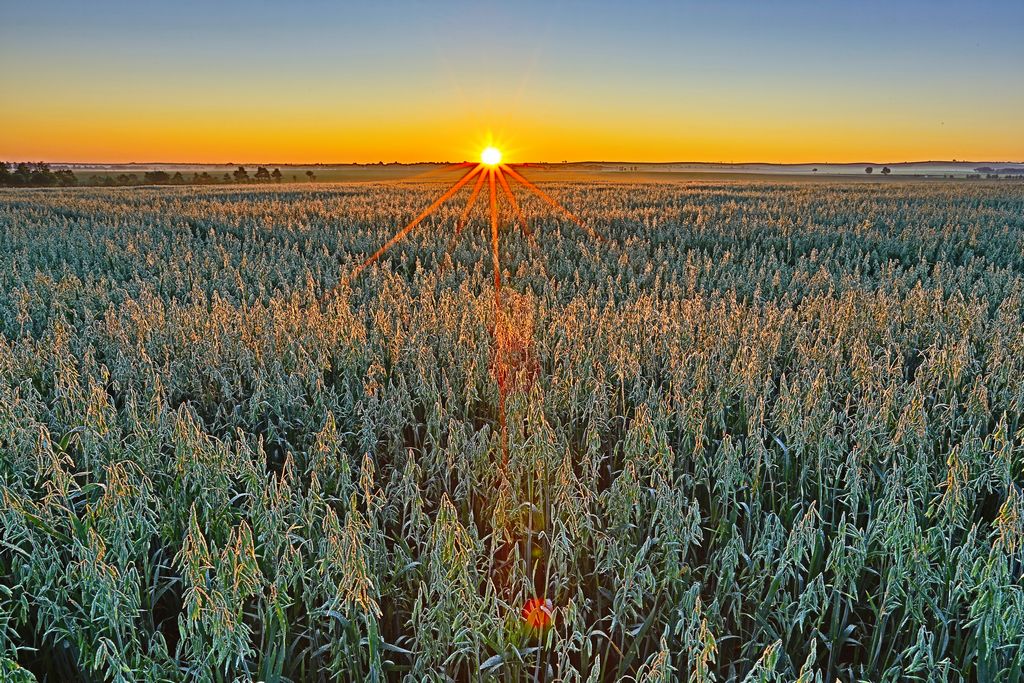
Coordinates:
x,y
177,178
262,175
156,177
886,170
241,175
227,178
294,177
814,170
310,175
66,177
869,170
5,174
41,175
276,175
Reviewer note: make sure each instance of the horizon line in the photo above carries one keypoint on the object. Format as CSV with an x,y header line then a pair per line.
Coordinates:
x,y
551,163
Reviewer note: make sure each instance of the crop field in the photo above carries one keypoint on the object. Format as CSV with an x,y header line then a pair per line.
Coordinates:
x,y
763,432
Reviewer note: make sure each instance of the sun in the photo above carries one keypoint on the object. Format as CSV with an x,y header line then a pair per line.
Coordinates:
x,y
498,177
491,156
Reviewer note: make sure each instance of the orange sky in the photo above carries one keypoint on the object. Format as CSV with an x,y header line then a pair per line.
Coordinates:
x,y
250,83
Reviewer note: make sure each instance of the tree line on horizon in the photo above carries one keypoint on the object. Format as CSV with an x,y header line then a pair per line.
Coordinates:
x,y
35,175
39,174
239,175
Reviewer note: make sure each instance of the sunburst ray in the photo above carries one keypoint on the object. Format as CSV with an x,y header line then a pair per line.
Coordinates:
x,y
494,238
514,204
469,205
492,171
397,237
551,201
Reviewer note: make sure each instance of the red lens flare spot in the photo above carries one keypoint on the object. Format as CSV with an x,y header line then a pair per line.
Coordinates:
x,y
537,613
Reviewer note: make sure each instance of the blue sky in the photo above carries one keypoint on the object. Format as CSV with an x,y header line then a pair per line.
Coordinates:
x,y
645,80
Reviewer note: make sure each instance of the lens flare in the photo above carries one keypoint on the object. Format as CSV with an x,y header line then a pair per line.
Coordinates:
x,y
497,175
499,178
491,156
537,614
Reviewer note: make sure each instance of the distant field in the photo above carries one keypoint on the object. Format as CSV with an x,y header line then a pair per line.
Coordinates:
x,y
610,172
766,431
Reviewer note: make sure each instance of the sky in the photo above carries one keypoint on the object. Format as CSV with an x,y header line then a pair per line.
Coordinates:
x,y
333,82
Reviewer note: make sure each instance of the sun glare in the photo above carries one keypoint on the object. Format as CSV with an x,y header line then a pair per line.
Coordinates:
x,y
499,178
491,156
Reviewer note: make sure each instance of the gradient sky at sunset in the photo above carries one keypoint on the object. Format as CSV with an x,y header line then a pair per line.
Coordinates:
x,y
219,81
